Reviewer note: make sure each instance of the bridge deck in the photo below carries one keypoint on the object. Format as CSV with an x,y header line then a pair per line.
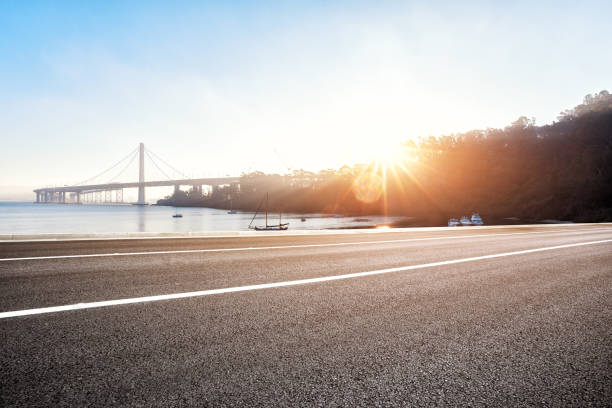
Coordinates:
x,y
115,186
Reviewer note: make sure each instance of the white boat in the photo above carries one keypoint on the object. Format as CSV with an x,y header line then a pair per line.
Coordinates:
x,y
465,221
477,219
453,222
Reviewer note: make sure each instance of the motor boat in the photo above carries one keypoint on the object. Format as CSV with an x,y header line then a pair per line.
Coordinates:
x,y
453,222
477,219
465,221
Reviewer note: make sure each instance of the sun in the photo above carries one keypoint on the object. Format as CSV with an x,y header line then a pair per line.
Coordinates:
x,y
390,154
389,164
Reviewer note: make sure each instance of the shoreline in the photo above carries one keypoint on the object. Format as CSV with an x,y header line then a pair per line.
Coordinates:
x,y
229,234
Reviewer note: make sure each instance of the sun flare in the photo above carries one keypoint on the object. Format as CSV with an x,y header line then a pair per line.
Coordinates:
x,y
391,155
387,154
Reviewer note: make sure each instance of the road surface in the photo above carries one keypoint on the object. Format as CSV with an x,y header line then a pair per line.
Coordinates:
x,y
480,317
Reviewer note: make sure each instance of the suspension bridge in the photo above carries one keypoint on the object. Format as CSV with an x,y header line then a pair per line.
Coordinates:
x,y
111,192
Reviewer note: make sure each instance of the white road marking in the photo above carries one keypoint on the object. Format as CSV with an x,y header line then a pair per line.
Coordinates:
x,y
331,244
208,292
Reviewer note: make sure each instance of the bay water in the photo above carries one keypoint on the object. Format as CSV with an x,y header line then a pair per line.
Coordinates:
x,y
30,218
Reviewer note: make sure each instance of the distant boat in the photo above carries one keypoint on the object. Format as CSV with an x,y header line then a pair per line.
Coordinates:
x,y
477,219
177,216
453,222
231,211
276,227
303,219
465,221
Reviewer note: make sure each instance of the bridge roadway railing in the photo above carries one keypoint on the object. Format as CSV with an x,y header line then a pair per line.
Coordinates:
x,y
44,194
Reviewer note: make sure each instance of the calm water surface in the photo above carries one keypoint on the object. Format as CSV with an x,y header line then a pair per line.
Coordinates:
x,y
29,218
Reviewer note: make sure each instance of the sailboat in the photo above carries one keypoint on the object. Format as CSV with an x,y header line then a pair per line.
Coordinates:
x,y
231,210
276,227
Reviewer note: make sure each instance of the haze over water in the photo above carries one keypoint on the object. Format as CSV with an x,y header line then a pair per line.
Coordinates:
x,y
28,218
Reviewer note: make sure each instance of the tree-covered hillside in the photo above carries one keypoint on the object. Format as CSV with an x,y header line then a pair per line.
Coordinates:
x,y
559,171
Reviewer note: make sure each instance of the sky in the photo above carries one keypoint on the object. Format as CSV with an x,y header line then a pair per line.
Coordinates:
x,y
221,88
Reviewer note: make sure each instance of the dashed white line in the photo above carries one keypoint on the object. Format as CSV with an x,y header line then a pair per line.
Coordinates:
x,y
208,292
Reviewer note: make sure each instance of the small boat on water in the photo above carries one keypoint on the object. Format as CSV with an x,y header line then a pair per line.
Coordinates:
x,y
477,219
465,221
275,227
303,219
177,216
231,210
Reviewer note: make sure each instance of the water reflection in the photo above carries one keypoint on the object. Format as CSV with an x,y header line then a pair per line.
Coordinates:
x,y
28,218
142,224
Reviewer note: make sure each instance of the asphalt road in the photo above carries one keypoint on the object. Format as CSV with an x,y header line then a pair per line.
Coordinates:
x,y
507,327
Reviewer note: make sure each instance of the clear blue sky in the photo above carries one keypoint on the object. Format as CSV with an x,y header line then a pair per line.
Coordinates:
x,y
216,87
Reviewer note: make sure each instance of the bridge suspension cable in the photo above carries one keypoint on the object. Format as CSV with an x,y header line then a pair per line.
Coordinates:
x,y
134,155
158,168
129,158
164,162
108,169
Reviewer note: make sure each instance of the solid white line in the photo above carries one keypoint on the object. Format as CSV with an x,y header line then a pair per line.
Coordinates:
x,y
107,303
333,244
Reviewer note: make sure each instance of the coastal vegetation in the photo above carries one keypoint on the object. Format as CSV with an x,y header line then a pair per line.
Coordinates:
x,y
560,171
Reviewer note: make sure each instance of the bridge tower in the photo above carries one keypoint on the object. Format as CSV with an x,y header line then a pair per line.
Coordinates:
x,y
141,177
